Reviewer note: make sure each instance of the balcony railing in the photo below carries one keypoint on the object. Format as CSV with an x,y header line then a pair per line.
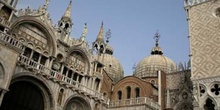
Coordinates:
x,y
9,40
135,101
54,75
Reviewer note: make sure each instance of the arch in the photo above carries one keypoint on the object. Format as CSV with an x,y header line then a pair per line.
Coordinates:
x,y
128,89
134,80
77,102
214,88
2,74
153,82
60,57
40,84
137,92
31,45
203,90
119,95
210,104
22,40
83,53
47,30
23,96
105,95
97,106
60,96
38,49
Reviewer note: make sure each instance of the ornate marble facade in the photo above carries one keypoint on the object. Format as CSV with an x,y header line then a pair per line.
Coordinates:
x,y
203,19
41,64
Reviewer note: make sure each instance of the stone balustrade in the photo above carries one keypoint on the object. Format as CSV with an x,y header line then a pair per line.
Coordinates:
x,y
56,76
9,40
135,101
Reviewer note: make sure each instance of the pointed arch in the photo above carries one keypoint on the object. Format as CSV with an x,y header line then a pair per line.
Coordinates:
x,y
210,104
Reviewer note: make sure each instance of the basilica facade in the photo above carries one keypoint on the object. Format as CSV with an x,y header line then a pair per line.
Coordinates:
x,y
43,68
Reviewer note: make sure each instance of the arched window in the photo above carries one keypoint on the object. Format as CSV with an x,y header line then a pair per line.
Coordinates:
x,y
152,82
60,96
97,83
96,107
137,92
209,105
105,95
119,95
128,92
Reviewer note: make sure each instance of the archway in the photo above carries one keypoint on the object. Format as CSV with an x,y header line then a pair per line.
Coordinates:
x,y
23,95
77,103
209,105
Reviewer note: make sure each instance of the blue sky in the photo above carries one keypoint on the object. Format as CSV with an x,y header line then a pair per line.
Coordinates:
x,y
133,24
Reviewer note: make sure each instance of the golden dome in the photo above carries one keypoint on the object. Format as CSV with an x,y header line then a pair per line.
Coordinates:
x,y
112,66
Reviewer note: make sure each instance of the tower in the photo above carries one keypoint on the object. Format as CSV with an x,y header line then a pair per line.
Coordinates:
x,y
204,36
105,55
99,43
65,23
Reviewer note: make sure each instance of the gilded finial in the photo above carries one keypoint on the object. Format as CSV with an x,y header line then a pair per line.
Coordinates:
x,y
108,35
157,37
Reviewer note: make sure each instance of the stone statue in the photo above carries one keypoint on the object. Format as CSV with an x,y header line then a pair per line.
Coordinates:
x,y
84,33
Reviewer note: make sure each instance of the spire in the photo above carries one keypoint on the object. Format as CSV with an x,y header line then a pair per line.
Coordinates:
x,y
100,37
67,14
99,43
65,24
84,33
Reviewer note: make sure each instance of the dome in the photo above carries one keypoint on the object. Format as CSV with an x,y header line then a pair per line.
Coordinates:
x,y
112,66
109,49
149,66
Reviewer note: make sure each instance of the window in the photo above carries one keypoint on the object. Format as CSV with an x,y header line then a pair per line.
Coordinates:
x,y
60,96
119,95
27,52
137,92
128,92
152,82
209,105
